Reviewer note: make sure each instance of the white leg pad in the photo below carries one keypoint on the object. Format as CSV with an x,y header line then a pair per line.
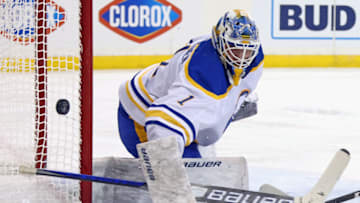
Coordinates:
x,y
164,171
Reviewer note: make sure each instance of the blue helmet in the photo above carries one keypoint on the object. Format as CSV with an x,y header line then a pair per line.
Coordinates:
x,y
236,39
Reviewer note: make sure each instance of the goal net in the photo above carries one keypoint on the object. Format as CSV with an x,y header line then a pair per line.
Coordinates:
x,y
45,98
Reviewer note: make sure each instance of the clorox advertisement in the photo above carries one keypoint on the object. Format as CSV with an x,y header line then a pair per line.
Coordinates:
x,y
140,21
149,31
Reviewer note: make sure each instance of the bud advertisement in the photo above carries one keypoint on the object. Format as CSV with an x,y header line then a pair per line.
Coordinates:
x,y
320,19
309,27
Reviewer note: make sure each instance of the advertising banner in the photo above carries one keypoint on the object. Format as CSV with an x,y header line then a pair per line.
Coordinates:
x,y
308,27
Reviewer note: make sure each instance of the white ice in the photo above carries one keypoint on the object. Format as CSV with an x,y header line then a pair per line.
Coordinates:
x,y
305,116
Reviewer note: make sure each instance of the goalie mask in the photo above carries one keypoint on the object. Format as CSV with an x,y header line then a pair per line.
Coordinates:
x,y
236,39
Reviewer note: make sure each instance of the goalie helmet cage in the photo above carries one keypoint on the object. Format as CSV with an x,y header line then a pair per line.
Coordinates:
x,y
45,98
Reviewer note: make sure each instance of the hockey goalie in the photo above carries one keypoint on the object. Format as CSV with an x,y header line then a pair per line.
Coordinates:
x,y
193,96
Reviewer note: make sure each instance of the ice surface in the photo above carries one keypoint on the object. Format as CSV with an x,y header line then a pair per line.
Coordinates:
x,y
305,116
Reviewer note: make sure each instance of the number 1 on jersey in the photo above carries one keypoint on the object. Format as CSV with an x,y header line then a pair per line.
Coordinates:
x,y
181,102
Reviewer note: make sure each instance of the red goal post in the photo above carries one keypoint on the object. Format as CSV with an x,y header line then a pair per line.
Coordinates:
x,y
86,95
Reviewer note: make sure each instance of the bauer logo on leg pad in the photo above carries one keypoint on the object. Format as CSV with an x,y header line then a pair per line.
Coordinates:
x,y
200,164
149,170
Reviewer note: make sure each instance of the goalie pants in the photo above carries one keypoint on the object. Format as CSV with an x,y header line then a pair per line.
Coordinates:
x,y
132,133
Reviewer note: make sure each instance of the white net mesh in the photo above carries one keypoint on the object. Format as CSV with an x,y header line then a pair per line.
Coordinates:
x,y
32,131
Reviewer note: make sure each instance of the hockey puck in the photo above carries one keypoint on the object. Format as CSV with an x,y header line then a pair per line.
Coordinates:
x,y
62,106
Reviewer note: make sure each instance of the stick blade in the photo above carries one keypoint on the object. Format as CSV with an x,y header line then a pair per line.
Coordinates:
x,y
27,170
267,188
328,179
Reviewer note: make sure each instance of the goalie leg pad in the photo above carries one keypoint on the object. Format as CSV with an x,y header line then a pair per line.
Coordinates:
x,y
164,171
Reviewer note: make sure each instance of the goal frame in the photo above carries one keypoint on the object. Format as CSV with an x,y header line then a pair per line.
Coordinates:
x,y
86,97
86,87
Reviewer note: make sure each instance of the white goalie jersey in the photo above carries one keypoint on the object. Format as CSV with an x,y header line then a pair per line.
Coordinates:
x,y
190,95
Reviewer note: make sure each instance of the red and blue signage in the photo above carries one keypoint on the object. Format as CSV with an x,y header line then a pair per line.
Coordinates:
x,y
140,21
18,21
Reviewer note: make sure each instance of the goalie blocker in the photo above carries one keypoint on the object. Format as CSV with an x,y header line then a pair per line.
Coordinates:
x,y
164,171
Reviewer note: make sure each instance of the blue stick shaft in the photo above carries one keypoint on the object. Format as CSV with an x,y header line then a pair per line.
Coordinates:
x,y
129,183
89,178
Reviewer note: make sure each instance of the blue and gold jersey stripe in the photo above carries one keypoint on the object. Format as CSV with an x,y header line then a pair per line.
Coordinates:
x,y
135,89
167,120
132,98
244,92
140,131
187,121
173,121
141,84
152,122
137,92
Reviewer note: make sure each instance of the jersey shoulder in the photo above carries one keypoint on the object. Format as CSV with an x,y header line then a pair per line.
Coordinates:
x,y
205,70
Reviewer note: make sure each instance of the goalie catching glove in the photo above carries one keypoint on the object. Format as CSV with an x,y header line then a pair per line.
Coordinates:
x,y
247,108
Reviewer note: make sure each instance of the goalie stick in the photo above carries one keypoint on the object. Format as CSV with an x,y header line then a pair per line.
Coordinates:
x,y
212,194
344,198
267,188
318,193
83,177
215,194
325,183
328,179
